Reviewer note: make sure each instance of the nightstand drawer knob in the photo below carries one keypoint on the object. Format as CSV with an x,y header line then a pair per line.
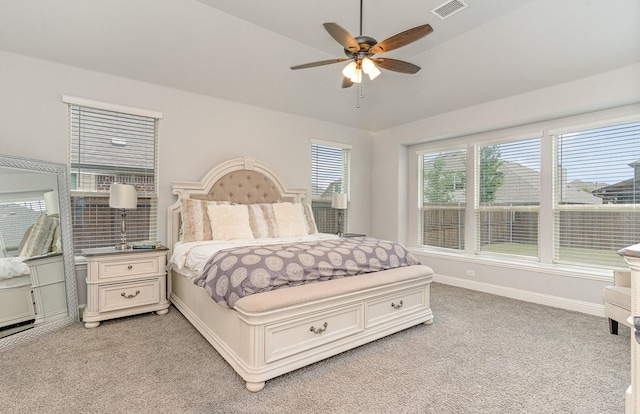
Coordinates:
x,y
124,295
398,306
130,267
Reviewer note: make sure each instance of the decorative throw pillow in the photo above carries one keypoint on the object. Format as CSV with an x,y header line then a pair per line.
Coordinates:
x,y
229,222
310,220
41,237
195,220
262,221
56,243
290,219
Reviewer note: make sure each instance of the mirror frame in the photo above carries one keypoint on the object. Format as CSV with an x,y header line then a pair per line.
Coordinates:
x,y
60,170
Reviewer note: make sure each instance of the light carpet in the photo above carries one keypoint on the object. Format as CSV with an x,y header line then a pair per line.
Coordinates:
x,y
483,354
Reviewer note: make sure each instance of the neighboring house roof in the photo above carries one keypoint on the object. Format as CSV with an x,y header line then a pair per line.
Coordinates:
x,y
587,185
623,192
521,184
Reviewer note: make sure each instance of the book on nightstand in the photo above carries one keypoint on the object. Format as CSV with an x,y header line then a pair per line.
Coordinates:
x,y
146,245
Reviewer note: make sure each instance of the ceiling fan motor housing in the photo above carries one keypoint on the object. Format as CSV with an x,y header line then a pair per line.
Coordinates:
x,y
365,43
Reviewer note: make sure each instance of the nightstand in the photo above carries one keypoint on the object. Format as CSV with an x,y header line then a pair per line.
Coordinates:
x,y
124,282
48,286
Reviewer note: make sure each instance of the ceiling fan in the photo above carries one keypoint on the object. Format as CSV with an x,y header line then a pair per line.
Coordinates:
x,y
361,51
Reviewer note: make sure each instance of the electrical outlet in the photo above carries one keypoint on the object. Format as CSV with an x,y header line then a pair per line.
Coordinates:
x,y
471,272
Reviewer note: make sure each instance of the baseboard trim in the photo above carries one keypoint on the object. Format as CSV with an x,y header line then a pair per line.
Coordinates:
x,y
524,295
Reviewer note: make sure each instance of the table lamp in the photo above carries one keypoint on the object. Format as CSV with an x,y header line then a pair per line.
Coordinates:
x,y
339,202
123,197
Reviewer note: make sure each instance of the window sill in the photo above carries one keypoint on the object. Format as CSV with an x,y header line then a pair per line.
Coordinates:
x,y
594,273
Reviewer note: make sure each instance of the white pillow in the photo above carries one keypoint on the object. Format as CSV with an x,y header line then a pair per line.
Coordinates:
x,y
229,222
290,218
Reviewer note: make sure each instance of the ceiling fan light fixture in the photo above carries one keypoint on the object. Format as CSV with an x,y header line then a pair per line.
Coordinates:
x,y
374,73
350,69
367,65
357,76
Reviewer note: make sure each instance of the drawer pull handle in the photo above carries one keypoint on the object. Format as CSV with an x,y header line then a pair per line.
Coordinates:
x,y
130,267
124,295
318,331
398,306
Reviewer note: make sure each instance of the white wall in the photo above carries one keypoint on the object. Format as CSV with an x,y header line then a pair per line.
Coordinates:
x,y
196,132
392,170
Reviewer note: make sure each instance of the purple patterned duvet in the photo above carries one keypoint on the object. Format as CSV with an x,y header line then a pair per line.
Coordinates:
x,y
233,273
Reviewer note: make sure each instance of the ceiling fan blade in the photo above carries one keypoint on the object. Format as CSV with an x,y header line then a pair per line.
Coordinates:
x,y
397,65
402,39
346,82
342,36
320,63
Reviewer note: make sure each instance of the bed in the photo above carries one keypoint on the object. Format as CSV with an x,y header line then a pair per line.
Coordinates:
x,y
270,333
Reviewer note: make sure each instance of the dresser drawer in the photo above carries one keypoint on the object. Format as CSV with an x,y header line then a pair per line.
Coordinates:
x,y
394,306
288,338
129,295
149,266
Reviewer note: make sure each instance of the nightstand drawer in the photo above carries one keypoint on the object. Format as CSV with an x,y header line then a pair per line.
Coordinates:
x,y
128,295
109,269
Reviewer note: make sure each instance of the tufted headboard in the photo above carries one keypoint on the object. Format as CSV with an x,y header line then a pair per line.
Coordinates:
x,y
239,181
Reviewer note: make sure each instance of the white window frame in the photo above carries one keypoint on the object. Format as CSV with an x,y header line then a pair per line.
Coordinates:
x,y
147,192
326,217
547,229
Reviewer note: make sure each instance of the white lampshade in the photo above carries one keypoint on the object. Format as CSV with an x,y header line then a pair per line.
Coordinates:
x,y
374,73
123,196
51,203
339,201
368,65
349,70
357,76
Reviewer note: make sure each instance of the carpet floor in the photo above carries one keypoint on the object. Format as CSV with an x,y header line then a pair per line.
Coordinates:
x,y
483,354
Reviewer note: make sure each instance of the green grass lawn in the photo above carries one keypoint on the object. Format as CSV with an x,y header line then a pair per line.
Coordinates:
x,y
599,257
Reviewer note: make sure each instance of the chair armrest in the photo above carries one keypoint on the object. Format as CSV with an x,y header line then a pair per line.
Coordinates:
x,y
622,278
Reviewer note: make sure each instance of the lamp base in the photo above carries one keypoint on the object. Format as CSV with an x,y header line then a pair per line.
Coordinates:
x,y
123,246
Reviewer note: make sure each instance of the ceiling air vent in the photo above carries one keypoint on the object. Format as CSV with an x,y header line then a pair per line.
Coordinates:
x,y
449,8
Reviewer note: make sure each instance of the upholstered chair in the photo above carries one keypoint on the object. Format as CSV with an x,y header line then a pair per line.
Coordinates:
x,y
617,300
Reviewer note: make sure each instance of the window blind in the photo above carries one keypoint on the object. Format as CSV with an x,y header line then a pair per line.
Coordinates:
x,y
597,194
443,204
508,197
330,171
15,219
106,147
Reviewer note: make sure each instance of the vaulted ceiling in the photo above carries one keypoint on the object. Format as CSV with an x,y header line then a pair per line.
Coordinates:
x,y
241,50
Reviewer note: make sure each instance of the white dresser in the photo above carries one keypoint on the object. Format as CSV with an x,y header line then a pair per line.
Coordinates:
x,y
48,287
631,255
124,282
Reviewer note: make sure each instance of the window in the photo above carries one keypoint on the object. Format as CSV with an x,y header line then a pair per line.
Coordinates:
x,y
443,204
569,196
508,197
597,203
330,166
109,144
18,211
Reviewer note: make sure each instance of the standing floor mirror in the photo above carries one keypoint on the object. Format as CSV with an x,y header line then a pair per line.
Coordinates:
x,y
37,272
